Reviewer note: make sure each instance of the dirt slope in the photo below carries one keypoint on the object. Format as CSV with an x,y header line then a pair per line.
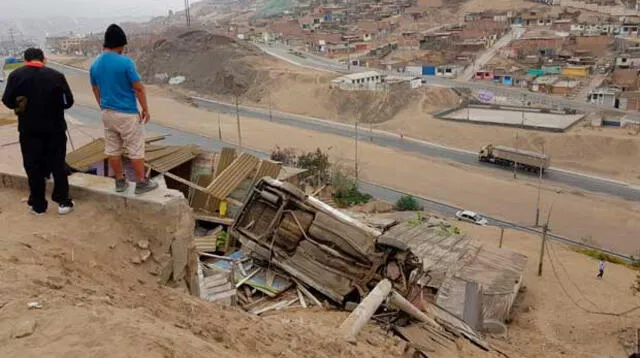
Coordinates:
x,y
97,303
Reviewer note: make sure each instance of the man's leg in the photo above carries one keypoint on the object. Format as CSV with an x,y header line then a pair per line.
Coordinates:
x,y
133,137
32,158
139,169
115,162
56,149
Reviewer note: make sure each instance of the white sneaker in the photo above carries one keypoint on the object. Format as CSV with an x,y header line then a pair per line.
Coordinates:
x,y
64,210
33,212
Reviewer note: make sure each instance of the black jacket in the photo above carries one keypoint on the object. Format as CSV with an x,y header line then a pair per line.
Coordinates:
x,y
47,95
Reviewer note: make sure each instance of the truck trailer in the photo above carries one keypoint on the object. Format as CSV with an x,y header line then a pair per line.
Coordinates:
x,y
510,157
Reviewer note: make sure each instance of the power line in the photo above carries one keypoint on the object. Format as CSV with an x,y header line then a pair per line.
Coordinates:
x,y
554,253
564,289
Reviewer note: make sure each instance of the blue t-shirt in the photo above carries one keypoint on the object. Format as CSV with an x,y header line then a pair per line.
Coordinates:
x,y
114,75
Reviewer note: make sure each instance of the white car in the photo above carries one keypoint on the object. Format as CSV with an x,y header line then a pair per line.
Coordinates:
x,y
471,217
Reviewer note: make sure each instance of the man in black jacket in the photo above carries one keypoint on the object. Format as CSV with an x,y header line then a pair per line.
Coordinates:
x,y
39,96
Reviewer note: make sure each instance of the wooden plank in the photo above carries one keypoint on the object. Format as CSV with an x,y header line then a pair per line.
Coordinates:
x,y
244,280
203,201
214,219
223,184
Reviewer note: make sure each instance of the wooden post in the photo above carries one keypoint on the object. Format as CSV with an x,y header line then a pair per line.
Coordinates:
x,y
402,304
238,123
638,341
362,314
472,313
544,242
501,237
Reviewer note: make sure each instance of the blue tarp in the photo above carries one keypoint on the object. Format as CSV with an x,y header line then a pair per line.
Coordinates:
x,y
10,60
428,70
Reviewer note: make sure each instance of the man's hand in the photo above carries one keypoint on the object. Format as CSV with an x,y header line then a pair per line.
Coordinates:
x,y
145,117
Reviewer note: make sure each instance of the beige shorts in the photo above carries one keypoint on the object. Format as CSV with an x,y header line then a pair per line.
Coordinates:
x,y
123,134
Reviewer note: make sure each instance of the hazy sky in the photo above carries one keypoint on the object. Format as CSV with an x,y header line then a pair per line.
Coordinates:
x,y
87,8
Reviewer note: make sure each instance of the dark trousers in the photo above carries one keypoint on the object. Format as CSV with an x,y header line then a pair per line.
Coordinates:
x,y
600,273
44,154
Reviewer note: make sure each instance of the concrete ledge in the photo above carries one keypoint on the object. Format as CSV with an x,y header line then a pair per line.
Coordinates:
x,y
164,216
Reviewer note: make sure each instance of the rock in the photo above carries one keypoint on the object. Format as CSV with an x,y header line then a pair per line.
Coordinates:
x,y
144,255
143,244
24,328
136,260
113,245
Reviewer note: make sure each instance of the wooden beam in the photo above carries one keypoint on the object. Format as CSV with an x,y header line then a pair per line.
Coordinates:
x,y
362,314
402,304
214,219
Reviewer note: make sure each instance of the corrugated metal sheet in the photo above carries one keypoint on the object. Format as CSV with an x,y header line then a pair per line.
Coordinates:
x,y
267,169
86,155
231,177
227,156
163,159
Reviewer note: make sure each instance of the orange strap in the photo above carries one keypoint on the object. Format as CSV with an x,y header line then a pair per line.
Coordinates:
x,y
36,64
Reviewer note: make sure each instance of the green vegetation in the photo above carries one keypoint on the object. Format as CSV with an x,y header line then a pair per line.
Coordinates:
x,y
408,203
12,66
317,166
346,192
221,240
599,255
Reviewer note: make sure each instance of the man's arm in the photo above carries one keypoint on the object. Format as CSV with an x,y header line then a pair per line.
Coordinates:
x,y
141,93
66,92
9,97
96,94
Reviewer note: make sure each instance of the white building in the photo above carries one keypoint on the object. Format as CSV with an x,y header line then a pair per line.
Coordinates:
x,y
365,81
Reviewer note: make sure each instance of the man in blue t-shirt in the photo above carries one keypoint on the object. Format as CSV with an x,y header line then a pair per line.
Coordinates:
x,y
116,85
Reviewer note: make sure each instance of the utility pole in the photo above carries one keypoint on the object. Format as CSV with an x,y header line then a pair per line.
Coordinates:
x,y
356,165
13,41
238,123
539,190
515,164
269,99
187,12
545,228
219,128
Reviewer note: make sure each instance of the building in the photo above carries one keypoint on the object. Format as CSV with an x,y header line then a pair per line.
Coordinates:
x,y
575,71
564,87
626,80
629,101
544,84
604,96
628,60
367,81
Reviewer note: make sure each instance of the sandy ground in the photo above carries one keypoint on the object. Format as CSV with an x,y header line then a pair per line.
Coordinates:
x,y
547,322
96,303
608,221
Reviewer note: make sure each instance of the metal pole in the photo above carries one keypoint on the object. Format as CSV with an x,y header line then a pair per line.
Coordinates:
x,y
356,165
539,191
270,114
501,237
238,123
544,243
219,128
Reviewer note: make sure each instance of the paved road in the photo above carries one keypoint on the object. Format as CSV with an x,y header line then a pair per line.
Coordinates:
x,y
91,116
177,137
515,33
386,139
312,61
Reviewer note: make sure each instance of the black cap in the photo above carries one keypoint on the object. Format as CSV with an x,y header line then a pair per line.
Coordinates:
x,y
114,37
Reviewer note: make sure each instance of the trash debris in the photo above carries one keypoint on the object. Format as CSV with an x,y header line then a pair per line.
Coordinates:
x,y
34,305
177,80
143,244
145,255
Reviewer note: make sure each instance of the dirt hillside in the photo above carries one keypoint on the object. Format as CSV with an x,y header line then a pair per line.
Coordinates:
x,y
95,302
211,63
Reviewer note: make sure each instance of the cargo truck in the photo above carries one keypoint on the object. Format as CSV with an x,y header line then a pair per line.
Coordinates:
x,y
510,157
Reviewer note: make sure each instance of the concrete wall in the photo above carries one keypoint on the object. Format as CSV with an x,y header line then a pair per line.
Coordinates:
x,y
163,215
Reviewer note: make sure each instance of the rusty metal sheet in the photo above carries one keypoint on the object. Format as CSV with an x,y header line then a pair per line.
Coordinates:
x,y
230,178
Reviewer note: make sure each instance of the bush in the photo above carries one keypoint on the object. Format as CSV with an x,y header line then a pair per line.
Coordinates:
x,y
286,156
317,166
346,192
408,203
